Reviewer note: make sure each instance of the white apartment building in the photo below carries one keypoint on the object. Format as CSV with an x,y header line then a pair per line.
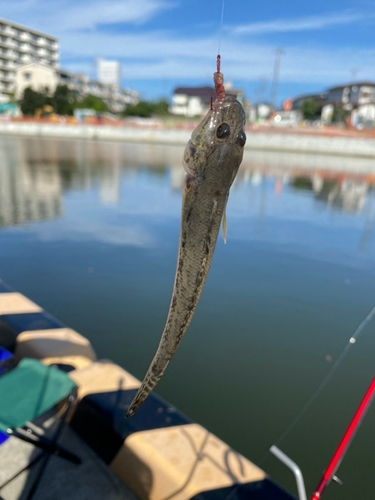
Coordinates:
x,y
29,58
116,97
20,45
109,72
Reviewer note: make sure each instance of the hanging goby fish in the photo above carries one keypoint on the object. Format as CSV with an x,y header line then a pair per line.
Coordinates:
x,y
211,159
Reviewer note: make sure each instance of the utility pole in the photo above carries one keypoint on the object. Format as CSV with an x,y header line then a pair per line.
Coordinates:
x,y
275,81
354,72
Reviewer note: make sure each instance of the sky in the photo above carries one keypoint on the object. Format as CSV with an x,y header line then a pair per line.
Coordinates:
x,y
162,44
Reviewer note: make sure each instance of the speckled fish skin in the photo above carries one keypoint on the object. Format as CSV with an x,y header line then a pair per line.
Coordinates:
x,y
211,164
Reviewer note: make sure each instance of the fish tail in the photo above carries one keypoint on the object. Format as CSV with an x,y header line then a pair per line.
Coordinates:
x,y
152,377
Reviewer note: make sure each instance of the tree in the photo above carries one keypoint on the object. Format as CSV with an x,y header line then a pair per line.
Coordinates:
x,y
161,107
32,100
309,109
146,109
143,109
92,102
63,100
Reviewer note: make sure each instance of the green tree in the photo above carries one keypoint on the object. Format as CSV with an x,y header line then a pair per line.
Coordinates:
x,y
146,109
143,109
63,100
309,109
161,107
92,102
33,100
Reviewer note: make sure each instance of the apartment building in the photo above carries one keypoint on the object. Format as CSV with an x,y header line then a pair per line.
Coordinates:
x,y
109,72
29,58
40,76
116,97
20,45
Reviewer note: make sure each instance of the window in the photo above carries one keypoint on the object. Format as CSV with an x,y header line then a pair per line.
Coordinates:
x,y
27,76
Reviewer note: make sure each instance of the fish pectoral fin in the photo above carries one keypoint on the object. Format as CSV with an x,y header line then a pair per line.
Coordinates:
x,y
224,224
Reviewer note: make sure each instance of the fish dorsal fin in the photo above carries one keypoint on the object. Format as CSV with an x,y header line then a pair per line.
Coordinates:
x,y
224,224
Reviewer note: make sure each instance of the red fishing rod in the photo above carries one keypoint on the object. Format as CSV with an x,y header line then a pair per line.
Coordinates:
x,y
345,442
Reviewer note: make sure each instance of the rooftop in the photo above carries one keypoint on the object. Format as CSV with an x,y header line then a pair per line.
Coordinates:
x,y
352,84
26,28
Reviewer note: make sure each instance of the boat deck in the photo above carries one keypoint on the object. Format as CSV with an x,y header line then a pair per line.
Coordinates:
x,y
157,454
19,462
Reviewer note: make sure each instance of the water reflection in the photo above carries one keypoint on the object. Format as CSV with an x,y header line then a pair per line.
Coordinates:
x,y
281,300
346,195
28,193
34,174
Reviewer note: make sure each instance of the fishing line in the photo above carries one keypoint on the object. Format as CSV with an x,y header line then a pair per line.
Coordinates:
x,y
326,379
221,25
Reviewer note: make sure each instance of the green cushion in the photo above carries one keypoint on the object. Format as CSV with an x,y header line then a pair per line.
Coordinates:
x,y
30,390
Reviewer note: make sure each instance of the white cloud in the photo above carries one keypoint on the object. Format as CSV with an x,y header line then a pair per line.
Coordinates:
x,y
152,54
156,56
299,24
105,12
66,15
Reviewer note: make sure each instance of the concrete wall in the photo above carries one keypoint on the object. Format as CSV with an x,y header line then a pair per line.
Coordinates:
x,y
255,141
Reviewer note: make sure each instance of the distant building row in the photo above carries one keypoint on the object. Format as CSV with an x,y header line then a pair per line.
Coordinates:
x,y
356,97
38,76
349,96
29,58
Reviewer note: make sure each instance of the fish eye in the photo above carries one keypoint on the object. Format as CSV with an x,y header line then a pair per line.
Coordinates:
x,y
223,131
242,139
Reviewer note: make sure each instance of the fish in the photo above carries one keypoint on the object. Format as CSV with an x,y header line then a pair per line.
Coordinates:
x,y
211,160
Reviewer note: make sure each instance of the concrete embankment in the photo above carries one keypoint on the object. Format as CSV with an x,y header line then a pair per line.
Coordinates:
x,y
256,140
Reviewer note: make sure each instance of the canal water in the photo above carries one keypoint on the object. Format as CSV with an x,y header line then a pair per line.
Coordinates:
x,y
89,231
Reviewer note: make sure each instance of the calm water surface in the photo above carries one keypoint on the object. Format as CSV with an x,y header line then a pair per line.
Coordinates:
x,y
90,230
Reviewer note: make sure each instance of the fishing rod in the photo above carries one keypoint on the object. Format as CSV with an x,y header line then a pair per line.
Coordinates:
x,y
356,421
345,442
339,454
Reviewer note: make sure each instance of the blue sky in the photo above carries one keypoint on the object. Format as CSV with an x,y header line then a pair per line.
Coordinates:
x,y
165,43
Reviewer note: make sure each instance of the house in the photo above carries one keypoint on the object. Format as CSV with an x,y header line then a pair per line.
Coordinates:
x,y
348,96
35,75
358,98
352,95
195,101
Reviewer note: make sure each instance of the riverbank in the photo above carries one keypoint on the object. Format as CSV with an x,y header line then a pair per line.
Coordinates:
x,y
264,139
